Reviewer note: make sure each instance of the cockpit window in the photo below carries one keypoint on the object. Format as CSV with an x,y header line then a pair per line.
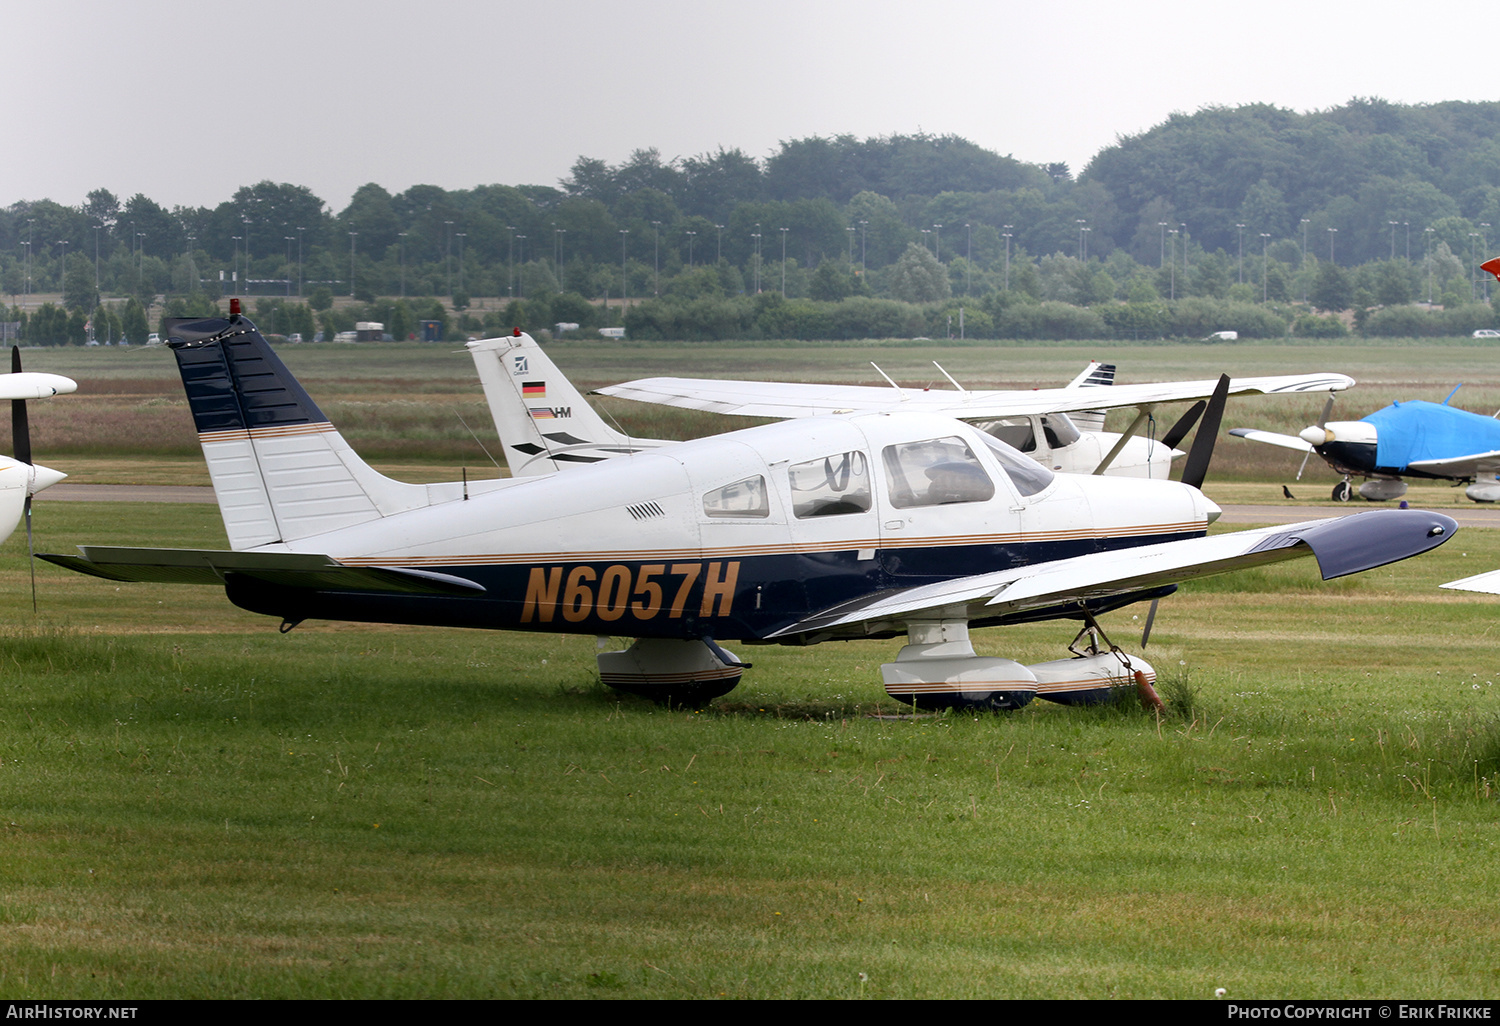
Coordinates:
x,y
1025,473
830,486
747,498
1016,432
935,472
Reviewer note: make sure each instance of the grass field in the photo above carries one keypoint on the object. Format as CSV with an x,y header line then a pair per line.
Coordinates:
x,y
193,805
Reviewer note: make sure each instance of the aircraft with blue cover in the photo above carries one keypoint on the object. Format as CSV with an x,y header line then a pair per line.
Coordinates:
x,y
866,525
1409,439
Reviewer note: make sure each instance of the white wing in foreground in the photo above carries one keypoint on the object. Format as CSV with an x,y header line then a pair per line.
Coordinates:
x,y
788,399
1343,545
1487,583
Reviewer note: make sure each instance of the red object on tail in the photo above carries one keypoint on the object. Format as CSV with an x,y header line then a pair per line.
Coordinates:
x,y
234,306
1148,695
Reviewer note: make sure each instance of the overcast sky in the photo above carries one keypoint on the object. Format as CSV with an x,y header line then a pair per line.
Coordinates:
x,y
186,100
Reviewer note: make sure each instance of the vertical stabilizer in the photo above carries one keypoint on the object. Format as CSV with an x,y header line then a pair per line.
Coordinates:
x,y
1096,374
545,424
280,470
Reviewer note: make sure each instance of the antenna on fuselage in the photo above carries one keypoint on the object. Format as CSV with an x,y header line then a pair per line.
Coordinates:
x,y
955,384
899,390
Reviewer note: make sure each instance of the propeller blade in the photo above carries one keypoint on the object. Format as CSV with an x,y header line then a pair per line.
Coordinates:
x,y
1196,467
1305,458
20,430
1150,619
1184,424
1327,409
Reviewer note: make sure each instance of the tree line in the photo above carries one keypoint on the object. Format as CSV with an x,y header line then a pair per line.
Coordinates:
x,y
1368,205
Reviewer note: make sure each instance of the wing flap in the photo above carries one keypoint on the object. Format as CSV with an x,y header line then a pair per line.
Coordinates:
x,y
1343,545
307,571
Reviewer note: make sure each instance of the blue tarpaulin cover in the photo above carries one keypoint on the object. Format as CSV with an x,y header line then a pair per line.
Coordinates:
x,y
1415,430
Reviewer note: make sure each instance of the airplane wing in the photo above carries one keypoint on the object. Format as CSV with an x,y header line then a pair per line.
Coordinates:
x,y
1487,583
1342,545
1474,465
288,569
787,400
35,385
1272,438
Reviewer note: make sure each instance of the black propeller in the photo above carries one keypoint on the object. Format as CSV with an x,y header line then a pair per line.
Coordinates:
x,y
20,433
1195,469
1184,424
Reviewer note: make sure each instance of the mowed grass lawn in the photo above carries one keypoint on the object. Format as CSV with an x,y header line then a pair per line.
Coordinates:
x,y
194,805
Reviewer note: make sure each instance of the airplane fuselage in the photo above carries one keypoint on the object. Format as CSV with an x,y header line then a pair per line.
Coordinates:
x,y
738,536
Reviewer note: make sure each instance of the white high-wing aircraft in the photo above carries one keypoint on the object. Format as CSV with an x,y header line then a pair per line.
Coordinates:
x,y
545,424
864,525
1036,421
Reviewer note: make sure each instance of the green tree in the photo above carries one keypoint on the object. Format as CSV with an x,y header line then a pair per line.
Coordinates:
x,y
1332,290
918,277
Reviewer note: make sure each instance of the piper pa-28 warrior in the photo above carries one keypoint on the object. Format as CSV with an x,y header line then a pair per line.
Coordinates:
x,y
1412,438
855,526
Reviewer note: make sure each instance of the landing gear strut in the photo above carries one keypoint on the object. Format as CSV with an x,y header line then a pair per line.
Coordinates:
x,y
1343,491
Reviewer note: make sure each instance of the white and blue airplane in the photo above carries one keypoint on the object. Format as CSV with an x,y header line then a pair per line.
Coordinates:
x,y
864,525
1410,439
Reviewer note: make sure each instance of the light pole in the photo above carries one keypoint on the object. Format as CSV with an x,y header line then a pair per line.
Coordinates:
x,y
656,258
300,230
1008,235
352,236
288,239
1484,240
937,237
1304,259
461,237
719,250
1473,267
624,281
1242,252
1265,266
862,226
448,255
510,263
692,237
968,256
400,253
1172,276
62,266
783,263
755,241
1331,233
1163,226
1080,222
1427,259
562,267
234,276
1393,237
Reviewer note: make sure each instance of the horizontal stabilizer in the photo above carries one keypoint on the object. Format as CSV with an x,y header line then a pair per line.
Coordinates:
x,y
1343,545
287,569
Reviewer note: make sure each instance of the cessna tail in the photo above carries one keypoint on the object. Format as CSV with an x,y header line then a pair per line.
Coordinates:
x,y
544,424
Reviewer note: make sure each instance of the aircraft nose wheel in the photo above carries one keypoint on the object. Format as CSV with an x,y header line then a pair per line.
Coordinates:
x,y
1342,492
